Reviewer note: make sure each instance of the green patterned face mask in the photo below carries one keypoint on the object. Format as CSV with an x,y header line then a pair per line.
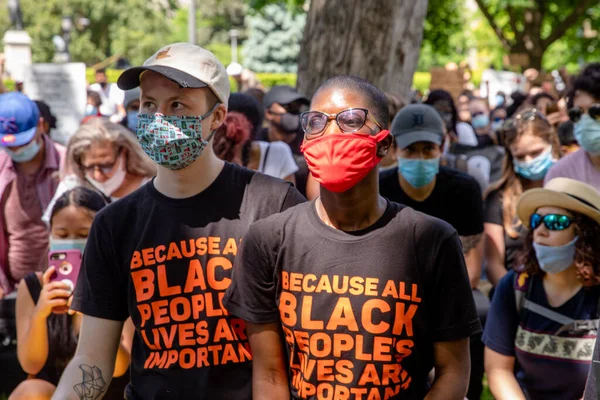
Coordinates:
x,y
170,141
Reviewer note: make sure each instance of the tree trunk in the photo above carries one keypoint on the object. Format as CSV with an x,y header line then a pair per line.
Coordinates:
x,y
375,40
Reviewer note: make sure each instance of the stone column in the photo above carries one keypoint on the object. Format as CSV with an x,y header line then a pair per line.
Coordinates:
x,y
17,51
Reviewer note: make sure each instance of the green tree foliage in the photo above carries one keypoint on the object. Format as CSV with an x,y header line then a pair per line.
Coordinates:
x,y
274,36
133,28
531,26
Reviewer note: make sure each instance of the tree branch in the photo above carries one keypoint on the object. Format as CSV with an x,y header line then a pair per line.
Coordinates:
x,y
513,23
493,24
560,29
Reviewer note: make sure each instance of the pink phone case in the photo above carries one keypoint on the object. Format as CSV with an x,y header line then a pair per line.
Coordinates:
x,y
66,265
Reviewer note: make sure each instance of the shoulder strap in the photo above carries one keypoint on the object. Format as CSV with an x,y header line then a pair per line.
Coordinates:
x,y
522,287
264,166
34,286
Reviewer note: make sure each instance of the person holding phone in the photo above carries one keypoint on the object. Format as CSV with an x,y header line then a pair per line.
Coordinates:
x,y
46,330
543,321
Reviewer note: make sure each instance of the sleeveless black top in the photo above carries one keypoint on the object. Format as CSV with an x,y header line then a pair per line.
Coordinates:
x,y
50,372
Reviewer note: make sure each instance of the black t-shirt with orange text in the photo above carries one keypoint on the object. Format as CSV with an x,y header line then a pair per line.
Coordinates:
x,y
359,311
167,263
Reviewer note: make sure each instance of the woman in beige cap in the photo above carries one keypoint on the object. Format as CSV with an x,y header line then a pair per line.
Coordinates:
x,y
543,320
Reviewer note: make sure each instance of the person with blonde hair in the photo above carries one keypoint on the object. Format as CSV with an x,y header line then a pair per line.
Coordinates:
x,y
104,156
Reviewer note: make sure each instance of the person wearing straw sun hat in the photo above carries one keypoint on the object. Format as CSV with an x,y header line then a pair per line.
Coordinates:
x,y
544,315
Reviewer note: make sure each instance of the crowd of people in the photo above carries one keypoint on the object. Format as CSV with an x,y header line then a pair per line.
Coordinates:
x,y
443,238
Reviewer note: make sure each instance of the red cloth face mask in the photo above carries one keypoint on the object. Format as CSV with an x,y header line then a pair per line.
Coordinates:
x,y
340,161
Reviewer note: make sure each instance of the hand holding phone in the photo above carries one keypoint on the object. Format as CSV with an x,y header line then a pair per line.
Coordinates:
x,y
54,296
66,265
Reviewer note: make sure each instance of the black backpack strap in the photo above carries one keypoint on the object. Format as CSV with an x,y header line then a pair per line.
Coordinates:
x,y
522,287
34,286
266,156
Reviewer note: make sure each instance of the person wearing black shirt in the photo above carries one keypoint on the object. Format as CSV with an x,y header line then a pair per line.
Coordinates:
x,y
351,295
450,195
163,254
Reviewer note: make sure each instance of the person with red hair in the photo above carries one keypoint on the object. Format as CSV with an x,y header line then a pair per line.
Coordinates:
x,y
233,142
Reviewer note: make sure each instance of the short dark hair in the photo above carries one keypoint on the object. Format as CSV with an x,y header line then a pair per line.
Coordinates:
x,y
101,71
377,103
565,134
589,81
78,197
442,95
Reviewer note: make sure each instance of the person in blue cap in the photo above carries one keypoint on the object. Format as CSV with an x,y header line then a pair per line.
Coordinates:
x,y
29,166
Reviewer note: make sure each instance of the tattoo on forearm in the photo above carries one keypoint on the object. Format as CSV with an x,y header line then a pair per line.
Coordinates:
x,y
92,385
470,242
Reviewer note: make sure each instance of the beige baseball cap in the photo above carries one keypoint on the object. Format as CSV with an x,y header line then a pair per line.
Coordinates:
x,y
188,65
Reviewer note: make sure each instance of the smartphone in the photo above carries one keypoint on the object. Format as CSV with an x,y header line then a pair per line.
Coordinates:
x,y
552,108
67,264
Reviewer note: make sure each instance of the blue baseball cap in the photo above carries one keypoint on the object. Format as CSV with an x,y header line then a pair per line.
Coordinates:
x,y
19,117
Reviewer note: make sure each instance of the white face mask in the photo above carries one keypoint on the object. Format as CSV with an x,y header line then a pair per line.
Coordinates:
x,y
113,183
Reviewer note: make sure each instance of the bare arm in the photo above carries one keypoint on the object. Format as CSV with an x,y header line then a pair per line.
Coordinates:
x,y
452,370
495,252
32,330
269,375
89,372
473,251
124,352
501,376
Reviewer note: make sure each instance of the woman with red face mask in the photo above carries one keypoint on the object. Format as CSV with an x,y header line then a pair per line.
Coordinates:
x,y
303,275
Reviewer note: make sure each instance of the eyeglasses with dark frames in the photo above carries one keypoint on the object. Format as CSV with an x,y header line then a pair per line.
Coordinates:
x,y
351,120
105,168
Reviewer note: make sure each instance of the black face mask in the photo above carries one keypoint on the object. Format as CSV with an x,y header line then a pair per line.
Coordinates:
x,y
289,123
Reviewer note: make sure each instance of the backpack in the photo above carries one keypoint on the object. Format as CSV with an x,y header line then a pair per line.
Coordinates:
x,y
522,288
484,164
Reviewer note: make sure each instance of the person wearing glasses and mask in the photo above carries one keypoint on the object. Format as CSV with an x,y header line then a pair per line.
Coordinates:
x,y
584,164
351,295
532,147
543,320
163,255
455,197
104,156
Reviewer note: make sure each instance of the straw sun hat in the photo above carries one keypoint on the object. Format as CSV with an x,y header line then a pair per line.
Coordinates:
x,y
566,193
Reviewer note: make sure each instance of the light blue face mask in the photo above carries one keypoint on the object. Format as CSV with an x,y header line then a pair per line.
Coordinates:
x,y
67,244
499,100
496,125
132,117
25,153
587,133
555,259
480,121
537,168
418,172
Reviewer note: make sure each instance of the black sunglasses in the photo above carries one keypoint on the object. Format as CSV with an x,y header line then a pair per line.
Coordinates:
x,y
576,113
554,222
350,120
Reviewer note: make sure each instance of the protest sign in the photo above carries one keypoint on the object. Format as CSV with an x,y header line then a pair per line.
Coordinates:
x,y
63,88
508,82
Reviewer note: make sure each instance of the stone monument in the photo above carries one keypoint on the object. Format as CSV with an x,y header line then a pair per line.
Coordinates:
x,y
17,44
